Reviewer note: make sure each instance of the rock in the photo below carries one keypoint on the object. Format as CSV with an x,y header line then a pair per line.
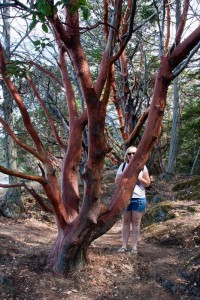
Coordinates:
x,y
157,198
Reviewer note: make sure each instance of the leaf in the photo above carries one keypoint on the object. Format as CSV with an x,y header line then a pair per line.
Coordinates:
x,y
44,28
34,15
32,25
36,43
46,10
86,12
41,17
39,5
85,3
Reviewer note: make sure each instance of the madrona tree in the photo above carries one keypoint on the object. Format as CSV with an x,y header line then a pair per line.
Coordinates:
x,y
80,221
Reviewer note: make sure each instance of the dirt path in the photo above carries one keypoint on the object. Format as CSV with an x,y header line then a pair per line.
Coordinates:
x,y
157,272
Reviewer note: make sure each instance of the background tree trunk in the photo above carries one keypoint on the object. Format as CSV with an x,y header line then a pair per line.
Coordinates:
x,y
171,164
12,206
195,162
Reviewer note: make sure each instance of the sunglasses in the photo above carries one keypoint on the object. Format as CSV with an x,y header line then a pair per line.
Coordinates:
x,y
131,153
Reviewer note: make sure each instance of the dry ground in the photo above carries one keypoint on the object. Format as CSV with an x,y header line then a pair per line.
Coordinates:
x,y
167,265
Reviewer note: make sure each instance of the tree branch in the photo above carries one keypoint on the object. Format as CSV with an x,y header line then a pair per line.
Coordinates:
x,y
14,93
38,198
117,55
183,50
181,26
183,65
168,24
49,118
14,137
69,93
159,26
15,4
7,186
137,128
22,175
47,72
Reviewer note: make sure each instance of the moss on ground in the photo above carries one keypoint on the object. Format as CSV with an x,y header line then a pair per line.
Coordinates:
x,y
188,189
158,213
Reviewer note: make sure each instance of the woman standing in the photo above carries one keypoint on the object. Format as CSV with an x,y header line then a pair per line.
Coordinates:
x,y
134,211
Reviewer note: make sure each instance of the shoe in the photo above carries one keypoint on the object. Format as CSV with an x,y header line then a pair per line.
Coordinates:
x,y
122,249
134,251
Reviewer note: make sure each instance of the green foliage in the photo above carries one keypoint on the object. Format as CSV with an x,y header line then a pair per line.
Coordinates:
x,y
43,9
40,16
191,209
189,129
189,136
18,69
75,5
188,190
187,184
159,212
42,43
146,12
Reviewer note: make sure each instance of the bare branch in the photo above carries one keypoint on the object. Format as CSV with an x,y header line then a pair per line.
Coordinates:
x,y
13,91
184,49
183,65
38,198
168,24
51,123
131,24
160,29
14,137
137,128
47,72
18,44
17,4
181,25
22,175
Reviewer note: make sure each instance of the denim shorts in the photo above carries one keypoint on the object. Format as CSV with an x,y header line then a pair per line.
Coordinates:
x,y
137,204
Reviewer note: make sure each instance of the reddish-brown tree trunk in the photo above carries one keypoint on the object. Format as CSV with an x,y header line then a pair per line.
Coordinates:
x,y
69,251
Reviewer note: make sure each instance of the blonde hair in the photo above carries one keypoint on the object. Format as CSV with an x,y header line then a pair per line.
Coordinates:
x,y
128,150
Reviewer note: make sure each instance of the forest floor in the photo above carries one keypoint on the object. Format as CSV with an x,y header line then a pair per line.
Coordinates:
x,y
167,265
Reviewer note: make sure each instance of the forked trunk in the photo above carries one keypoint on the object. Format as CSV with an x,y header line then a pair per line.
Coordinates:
x,y
66,256
69,252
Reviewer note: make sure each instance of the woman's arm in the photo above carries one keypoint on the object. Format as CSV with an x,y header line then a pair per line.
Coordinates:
x,y
144,178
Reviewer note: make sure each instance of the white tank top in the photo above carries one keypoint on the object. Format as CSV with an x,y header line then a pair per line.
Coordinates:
x,y
139,190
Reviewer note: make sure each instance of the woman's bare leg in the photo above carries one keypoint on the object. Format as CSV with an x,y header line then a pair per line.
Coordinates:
x,y
136,222
126,222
